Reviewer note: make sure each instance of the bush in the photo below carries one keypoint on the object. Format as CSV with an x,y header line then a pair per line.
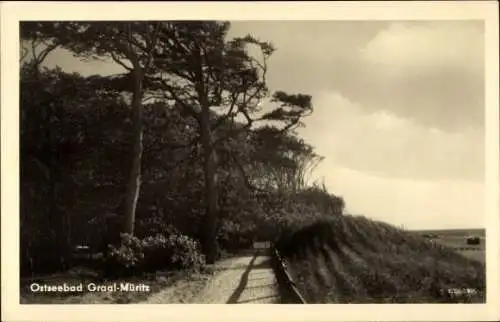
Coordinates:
x,y
153,253
126,258
152,226
175,251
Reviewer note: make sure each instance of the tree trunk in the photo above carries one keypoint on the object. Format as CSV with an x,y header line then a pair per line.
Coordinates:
x,y
57,216
134,182
210,169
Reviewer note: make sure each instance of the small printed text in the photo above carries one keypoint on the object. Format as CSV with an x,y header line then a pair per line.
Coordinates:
x,y
90,287
459,291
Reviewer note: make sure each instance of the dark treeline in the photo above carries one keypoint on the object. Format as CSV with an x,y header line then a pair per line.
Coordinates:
x,y
175,158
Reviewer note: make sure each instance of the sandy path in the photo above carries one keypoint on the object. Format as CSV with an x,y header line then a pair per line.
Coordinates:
x,y
180,292
238,280
245,279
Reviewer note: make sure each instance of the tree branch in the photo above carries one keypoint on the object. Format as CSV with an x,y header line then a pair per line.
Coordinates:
x,y
246,179
228,114
23,54
118,61
46,51
129,53
177,99
136,43
152,45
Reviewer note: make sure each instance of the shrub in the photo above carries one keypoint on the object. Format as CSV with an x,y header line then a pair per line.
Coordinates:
x,y
126,258
153,253
187,252
175,251
152,226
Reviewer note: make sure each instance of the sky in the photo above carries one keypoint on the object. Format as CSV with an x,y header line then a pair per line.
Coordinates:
x,y
398,112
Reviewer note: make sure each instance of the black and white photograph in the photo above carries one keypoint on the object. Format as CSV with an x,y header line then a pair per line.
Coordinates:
x,y
252,161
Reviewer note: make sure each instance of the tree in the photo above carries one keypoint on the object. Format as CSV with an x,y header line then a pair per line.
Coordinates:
x,y
216,80
36,109
132,46
35,46
66,159
192,67
281,161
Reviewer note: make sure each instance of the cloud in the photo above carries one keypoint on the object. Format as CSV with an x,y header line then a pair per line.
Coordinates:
x,y
64,59
399,111
431,72
441,204
409,48
385,121
384,144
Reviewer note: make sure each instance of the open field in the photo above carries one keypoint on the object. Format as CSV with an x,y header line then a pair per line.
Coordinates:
x,y
481,232
457,239
478,255
356,260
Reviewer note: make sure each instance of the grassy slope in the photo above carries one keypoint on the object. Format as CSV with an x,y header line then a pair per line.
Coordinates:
x,y
357,260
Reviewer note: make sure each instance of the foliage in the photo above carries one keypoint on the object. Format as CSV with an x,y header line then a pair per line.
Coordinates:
x,y
216,80
171,251
77,139
126,258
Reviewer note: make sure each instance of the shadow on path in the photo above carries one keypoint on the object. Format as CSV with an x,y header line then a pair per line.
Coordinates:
x,y
257,283
243,282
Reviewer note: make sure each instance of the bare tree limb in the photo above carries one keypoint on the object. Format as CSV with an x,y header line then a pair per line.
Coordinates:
x,y
23,54
187,107
34,45
46,51
228,114
245,177
118,61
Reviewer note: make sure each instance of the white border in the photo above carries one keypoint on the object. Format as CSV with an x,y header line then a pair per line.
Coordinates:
x,y
12,12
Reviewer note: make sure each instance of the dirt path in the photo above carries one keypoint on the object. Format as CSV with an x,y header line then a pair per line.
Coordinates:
x,y
180,292
238,280
245,279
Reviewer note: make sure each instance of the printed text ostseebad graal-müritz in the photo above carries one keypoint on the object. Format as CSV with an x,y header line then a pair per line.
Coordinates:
x,y
90,287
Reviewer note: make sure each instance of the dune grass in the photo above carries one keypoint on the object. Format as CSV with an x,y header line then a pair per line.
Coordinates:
x,y
352,259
